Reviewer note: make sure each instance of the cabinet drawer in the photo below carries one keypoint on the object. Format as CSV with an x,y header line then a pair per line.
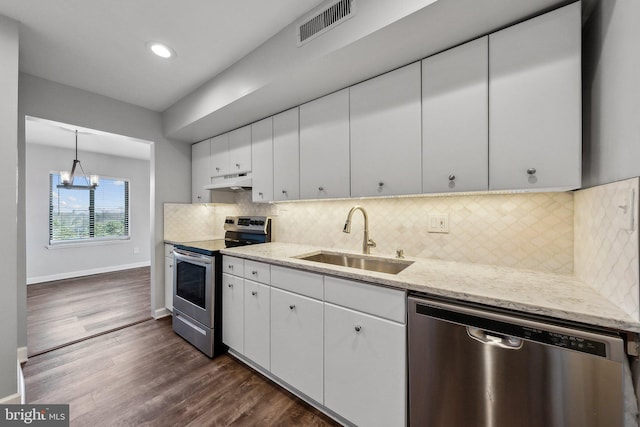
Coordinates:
x,y
300,282
233,265
257,271
368,298
168,250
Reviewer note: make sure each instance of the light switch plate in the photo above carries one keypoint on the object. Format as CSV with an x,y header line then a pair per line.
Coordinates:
x,y
438,223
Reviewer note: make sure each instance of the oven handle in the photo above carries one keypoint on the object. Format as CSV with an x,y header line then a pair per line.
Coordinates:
x,y
180,255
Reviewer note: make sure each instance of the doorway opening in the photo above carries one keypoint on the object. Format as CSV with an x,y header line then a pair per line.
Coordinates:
x,y
88,249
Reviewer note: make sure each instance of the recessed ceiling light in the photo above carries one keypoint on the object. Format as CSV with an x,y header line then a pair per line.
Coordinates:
x,y
161,50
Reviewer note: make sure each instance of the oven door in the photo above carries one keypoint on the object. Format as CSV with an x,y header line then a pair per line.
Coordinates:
x,y
193,278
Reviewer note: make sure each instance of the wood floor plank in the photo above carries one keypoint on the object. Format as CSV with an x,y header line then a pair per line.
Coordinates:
x,y
67,310
146,375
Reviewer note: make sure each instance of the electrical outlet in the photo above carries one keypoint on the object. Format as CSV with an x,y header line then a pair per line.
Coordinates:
x,y
438,223
626,213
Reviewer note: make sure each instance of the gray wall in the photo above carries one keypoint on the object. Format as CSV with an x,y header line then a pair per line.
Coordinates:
x,y
611,92
170,161
44,264
8,213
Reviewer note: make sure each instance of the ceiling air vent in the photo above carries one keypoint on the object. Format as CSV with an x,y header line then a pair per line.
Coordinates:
x,y
320,22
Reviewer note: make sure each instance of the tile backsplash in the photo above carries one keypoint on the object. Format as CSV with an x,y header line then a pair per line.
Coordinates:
x,y
532,231
606,251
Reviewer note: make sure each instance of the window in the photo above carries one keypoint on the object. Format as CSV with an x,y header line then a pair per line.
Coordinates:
x,y
88,215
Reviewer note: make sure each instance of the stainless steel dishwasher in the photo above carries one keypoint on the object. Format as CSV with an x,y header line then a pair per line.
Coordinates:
x,y
469,366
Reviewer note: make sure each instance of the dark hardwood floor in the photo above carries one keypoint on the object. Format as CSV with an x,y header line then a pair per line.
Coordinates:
x,y
65,311
147,375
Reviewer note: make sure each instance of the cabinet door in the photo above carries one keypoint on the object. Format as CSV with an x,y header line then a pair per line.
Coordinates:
x,y
233,312
324,147
168,283
535,103
262,153
256,323
296,342
240,150
386,148
365,367
200,172
220,155
286,156
455,140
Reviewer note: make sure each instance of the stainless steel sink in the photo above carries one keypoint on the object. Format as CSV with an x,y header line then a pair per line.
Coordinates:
x,y
363,262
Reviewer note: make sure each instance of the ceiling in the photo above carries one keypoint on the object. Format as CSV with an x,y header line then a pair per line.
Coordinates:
x,y
62,135
100,46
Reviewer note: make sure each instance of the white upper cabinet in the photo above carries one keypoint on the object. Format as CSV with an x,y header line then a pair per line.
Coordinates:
x,y
262,153
535,103
455,89
324,147
386,149
220,155
240,150
200,172
286,156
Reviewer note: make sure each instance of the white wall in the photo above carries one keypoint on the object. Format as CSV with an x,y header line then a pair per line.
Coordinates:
x,y
170,162
8,213
61,262
611,92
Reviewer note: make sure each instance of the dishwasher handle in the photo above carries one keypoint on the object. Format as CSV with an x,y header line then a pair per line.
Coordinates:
x,y
491,338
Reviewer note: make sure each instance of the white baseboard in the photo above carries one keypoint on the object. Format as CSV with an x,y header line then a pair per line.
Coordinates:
x,y
160,313
12,399
72,274
21,384
22,355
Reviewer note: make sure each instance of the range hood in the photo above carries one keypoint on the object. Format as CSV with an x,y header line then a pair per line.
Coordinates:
x,y
238,182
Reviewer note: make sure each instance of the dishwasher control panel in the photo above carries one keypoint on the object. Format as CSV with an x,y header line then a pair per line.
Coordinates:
x,y
495,325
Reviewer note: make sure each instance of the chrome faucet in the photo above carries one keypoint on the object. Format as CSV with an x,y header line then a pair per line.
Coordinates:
x,y
367,243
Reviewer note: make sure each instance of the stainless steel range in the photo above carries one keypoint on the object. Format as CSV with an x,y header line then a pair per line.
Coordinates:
x,y
197,281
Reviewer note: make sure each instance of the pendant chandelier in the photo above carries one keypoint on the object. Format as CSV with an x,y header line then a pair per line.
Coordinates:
x,y
67,177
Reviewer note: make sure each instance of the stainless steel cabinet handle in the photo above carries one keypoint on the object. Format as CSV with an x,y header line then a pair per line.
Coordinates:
x,y
254,272
230,285
217,169
320,188
531,171
284,191
254,293
260,194
358,328
381,184
238,165
230,266
452,177
292,306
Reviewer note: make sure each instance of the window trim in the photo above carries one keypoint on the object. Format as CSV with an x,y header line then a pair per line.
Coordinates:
x,y
91,241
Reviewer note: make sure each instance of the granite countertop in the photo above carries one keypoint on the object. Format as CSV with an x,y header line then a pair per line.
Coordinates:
x,y
553,295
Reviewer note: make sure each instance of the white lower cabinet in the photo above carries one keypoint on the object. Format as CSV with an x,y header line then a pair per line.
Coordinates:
x,y
338,342
256,323
233,312
365,367
297,341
